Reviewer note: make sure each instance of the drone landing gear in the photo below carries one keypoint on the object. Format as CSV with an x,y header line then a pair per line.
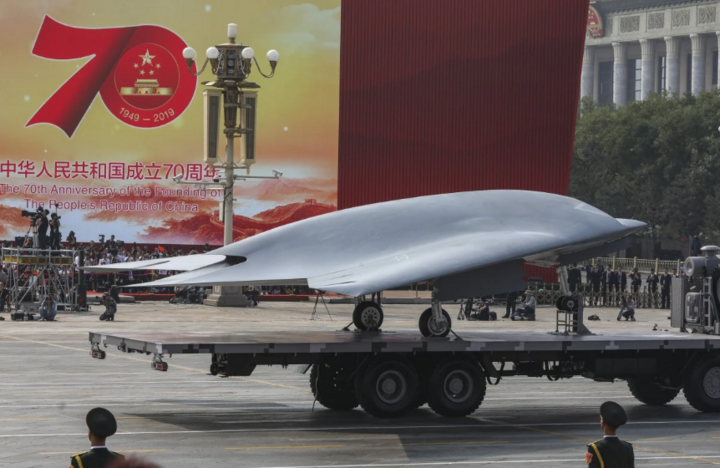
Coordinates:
x,y
368,315
435,321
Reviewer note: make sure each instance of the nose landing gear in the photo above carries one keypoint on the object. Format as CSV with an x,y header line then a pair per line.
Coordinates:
x,y
435,321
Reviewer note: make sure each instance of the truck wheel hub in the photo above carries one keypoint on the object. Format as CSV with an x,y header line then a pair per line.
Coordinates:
x,y
391,387
458,386
711,382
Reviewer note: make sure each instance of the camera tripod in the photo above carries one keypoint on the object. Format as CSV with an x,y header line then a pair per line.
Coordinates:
x,y
32,232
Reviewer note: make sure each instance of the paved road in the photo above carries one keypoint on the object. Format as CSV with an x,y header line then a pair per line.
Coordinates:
x,y
186,418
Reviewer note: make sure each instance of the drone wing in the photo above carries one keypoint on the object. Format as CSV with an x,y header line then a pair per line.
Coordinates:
x,y
190,262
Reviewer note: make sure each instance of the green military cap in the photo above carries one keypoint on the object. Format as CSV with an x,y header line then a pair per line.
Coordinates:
x,y
101,422
613,414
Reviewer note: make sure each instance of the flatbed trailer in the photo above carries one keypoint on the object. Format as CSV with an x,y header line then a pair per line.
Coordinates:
x,y
389,373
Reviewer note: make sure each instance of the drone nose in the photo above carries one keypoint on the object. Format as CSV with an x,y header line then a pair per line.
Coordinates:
x,y
632,225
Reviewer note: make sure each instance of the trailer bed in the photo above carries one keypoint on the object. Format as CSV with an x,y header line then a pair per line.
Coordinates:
x,y
322,342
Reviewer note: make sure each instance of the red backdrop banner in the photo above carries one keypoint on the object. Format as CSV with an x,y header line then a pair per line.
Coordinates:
x,y
452,95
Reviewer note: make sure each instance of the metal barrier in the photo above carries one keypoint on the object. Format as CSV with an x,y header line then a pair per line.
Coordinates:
x,y
547,294
643,265
35,274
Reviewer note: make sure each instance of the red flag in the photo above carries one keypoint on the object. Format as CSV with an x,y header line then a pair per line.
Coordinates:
x,y
161,248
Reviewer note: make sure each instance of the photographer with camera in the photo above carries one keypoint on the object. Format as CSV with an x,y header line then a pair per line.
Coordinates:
x,y
110,307
111,245
55,236
48,310
38,239
43,224
3,295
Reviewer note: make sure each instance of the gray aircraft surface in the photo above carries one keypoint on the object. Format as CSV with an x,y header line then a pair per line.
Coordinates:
x,y
466,244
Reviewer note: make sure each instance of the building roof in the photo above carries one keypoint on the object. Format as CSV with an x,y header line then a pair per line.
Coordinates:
x,y
611,6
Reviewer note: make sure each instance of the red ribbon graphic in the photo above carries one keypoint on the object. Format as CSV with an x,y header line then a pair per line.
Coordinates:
x,y
69,104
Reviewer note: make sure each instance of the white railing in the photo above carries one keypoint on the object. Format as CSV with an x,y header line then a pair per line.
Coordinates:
x,y
643,265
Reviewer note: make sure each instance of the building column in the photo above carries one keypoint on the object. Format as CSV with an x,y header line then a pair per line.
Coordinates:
x,y
648,67
620,73
588,73
672,61
698,63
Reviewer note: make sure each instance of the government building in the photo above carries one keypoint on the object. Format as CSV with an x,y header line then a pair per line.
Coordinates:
x,y
637,47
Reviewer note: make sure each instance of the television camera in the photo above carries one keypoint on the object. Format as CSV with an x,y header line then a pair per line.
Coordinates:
x,y
33,215
696,294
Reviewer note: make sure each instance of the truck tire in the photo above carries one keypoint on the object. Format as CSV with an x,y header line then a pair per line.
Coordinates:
x,y
650,393
330,388
387,387
701,385
456,388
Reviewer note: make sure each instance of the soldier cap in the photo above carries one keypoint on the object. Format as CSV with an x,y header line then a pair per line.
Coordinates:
x,y
101,422
613,414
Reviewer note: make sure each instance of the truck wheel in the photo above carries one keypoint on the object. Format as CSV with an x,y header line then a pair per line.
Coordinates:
x,y
456,388
650,393
331,389
387,387
368,316
701,386
429,327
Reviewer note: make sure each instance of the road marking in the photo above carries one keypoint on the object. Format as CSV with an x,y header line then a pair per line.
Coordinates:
x,y
574,437
122,450
469,442
678,455
27,419
473,462
94,374
533,429
52,341
55,393
528,427
285,447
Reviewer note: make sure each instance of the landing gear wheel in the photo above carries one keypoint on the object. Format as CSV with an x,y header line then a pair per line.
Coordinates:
x,y
429,327
701,386
650,393
330,387
457,388
387,387
368,316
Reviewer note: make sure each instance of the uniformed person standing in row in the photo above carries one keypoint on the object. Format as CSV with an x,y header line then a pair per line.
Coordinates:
x,y
611,452
101,425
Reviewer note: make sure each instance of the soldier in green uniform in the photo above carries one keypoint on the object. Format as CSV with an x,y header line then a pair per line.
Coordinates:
x,y
101,425
611,452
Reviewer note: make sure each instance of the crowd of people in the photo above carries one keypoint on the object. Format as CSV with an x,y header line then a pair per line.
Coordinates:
x,y
606,283
111,251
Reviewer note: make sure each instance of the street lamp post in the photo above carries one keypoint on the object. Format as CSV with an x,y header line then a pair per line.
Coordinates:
x,y
231,64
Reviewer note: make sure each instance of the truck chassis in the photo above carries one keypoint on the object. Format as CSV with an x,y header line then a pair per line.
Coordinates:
x,y
389,373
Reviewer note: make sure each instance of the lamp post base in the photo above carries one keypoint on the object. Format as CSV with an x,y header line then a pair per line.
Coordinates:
x,y
227,296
